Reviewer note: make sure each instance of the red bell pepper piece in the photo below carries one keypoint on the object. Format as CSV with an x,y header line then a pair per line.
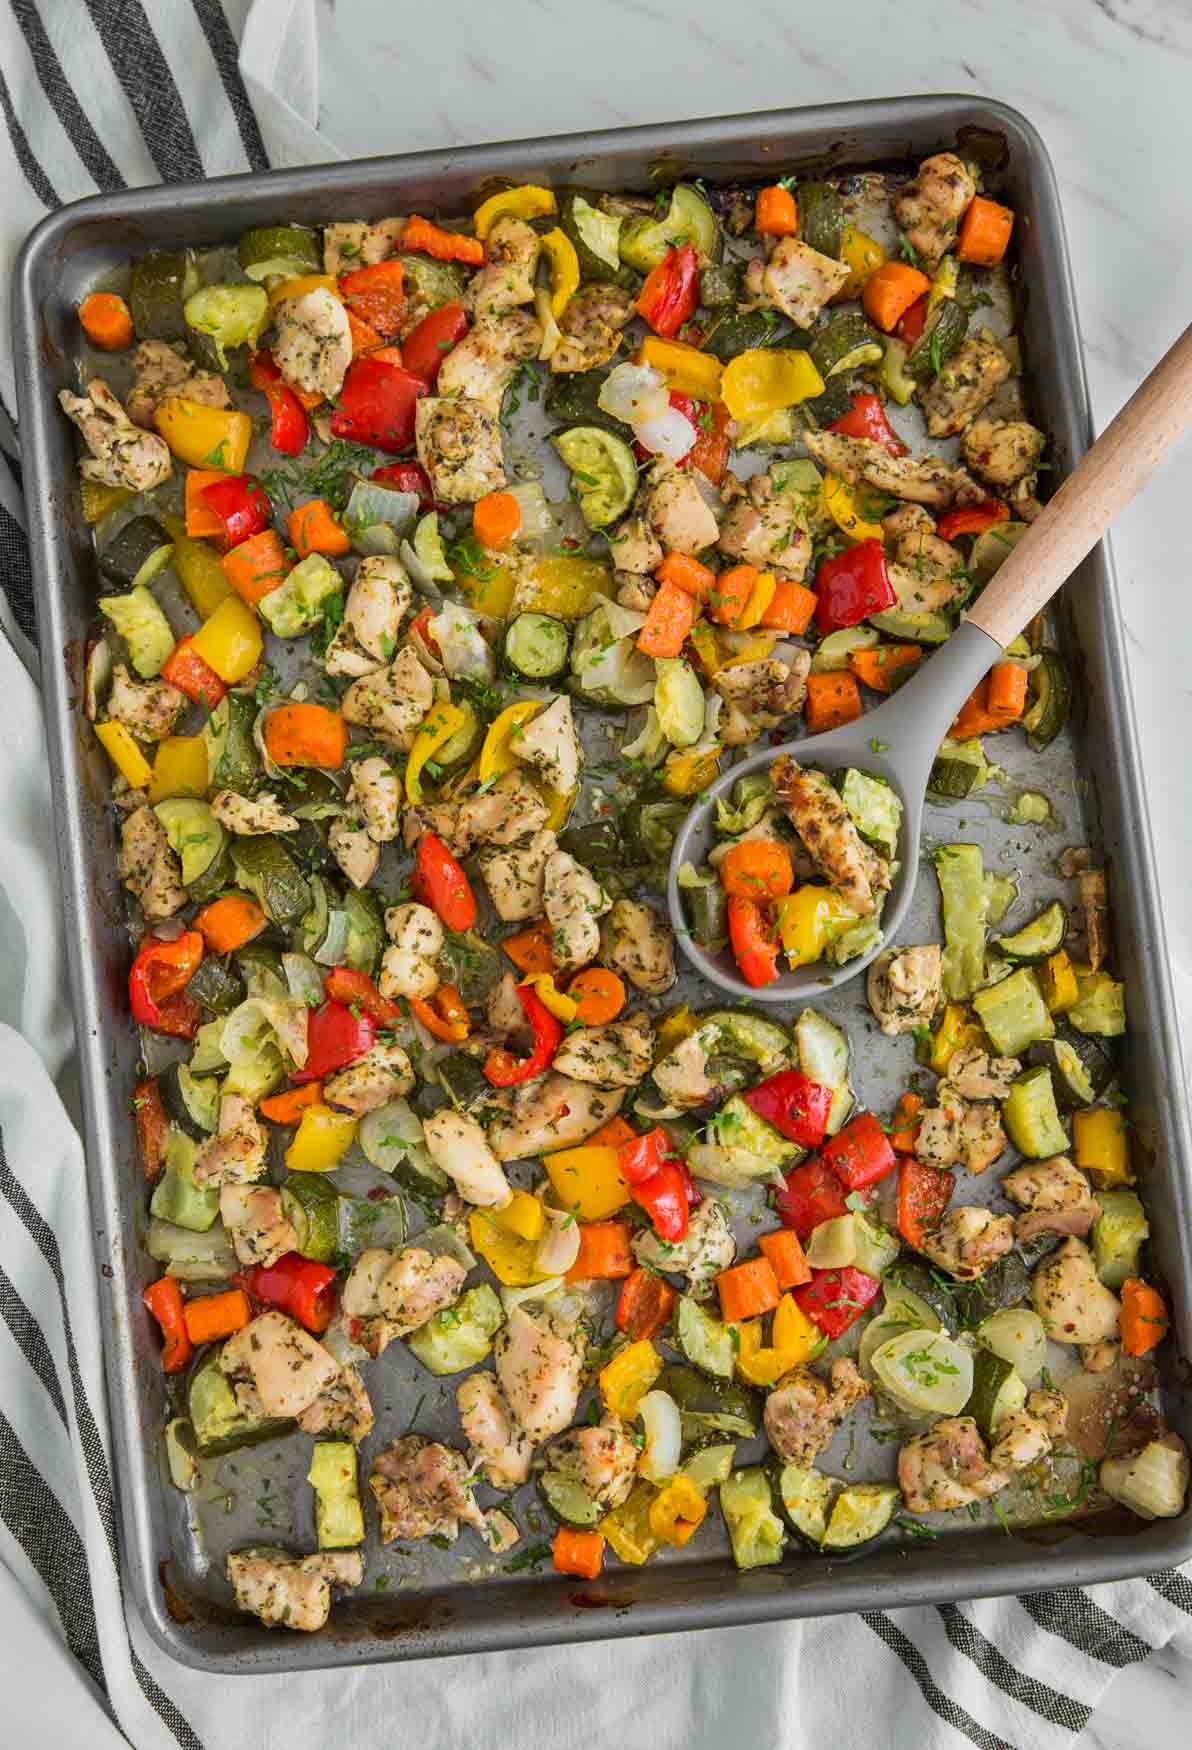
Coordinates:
x,y
866,418
153,1127
164,1300
860,1154
691,411
420,629
427,345
794,1104
812,1193
504,1070
290,428
835,1299
923,1195
157,983
376,294
909,326
185,669
644,1304
659,1182
975,521
335,1037
754,938
670,294
241,504
356,990
447,889
641,1157
407,477
295,1285
376,405
852,585
713,443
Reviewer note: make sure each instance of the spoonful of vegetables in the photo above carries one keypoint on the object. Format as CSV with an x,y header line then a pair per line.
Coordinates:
x,y
854,795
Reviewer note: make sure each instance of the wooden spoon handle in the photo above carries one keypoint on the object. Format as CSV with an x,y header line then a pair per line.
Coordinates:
x,y
1114,470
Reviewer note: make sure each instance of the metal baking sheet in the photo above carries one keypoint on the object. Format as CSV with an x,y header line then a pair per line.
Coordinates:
x,y
432,1603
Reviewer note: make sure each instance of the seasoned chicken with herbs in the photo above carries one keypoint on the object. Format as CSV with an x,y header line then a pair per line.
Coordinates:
x,y
422,1489
287,1591
764,528
459,445
159,371
930,207
121,454
803,1413
918,480
904,987
826,828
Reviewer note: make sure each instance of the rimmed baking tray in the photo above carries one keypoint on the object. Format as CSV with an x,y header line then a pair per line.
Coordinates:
x,y
442,1608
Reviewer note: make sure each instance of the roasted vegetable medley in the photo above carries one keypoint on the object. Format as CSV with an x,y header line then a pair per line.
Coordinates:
x,y
404,712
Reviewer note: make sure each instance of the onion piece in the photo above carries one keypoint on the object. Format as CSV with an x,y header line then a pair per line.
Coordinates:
x,y
551,334
536,517
633,393
670,434
511,1297
303,978
559,1246
1017,1335
927,1373
664,1437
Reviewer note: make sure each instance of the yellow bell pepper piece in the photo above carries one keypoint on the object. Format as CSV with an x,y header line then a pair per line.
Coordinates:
x,y
99,500
677,1512
687,773
441,722
560,804
303,283
496,756
944,284
564,270
707,652
564,587
674,1027
793,1340
523,1215
1100,1145
510,1258
491,593
179,768
761,595
230,641
198,569
862,255
321,1140
627,1529
687,370
205,437
847,511
525,202
793,1333
754,1362
117,742
588,1181
1058,979
807,921
956,1029
753,650
556,1002
767,378
628,1377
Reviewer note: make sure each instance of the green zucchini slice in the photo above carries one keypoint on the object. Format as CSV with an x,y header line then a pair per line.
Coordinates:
x,y
193,832
603,471
1013,1013
159,287
280,252
136,553
566,1499
537,646
1080,1069
1050,684
1032,1117
1043,936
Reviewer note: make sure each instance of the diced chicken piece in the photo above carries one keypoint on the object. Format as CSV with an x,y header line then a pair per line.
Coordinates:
x,y
927,573
904,987
973,1074
285,1591
376,795
514,876
313,344
1003,451
760,695
343,1409
511,252
574,901
826,828
551,1114
441,818
422,1489
982,1138
251,815
482,365
389,1294
160,371
393,701
356,852
602,1459
500,816
235,1155
955,1133
1071,1299
797,278
967,1240
618,1055
1027,1435
634,591
149,708
803,1414
121,453
918,479
550,743
252,1215
405,974
351,243
287,1368
946,1468
382,1074
377,602
968,380
456,1143
765,529
676,511
539,1367
707,1248
1056,1196
682,1075
641,945
634,547
930,207
459,445
503,1012
1099,1357
495,1442
415,928
590,330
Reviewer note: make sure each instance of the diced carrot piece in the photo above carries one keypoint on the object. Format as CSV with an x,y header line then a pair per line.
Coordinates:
x,y
882,668
905,1133
201,520
733,590
832,699
687,574
315,528
747,1290
496,519
531,949
212,1316
107,321
578,1552
604,1252
776,213
1144,1317
984,232
785,1252
306,735
890,291
670,618
1006,693
257,566
287,1108
792,608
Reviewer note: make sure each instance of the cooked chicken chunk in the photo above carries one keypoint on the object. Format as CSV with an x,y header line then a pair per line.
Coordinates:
x,y
356,852
904,987
682,1075
1003,451
121,453
416,928
511,810
389,1294
764,528
290,1592
511,252
967,1241
375,793
707,1248
972,1074
160,371
149,868
495,1442
539,1367
618,1055
550,743
966,383
551,1114
676,512
760,695
251,815
634,591
459,445
826,828
797,278
634,547
514,876
1027,1435
602,1459
393,701
927,573
441,818
422,1489
803,1414
382,1074
483,364
286,1368
948,1467
573,900
456,1143
641,945
408,966
235,1155
918,479
591,327
1056,1197
252,1215
313,344
149,708
343,1409
1099,1357
930,207
377,602
351,243
1071,1299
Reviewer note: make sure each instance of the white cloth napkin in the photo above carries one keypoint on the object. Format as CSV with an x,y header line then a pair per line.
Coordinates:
x,y
96,96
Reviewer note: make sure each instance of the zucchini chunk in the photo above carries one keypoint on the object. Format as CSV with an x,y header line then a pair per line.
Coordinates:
x,y
537,646
136,553
1031,1116
1039,939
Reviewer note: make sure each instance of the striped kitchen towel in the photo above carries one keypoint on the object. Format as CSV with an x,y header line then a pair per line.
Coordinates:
x,y
100,94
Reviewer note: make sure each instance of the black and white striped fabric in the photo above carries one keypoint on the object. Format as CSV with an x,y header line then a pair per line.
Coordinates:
x,y
96,95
